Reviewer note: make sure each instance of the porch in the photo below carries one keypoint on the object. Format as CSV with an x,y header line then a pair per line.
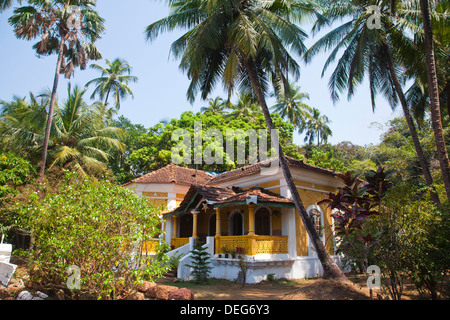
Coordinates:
x,y
244,222
243,245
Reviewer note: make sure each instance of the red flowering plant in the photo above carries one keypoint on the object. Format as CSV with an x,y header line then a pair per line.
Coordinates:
x,y
352,205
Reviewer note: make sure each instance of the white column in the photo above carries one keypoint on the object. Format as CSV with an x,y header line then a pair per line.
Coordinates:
x,y
171,201
169,230
288,220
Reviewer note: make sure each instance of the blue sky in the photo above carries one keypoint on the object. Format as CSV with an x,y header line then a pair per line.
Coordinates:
x,y
161,90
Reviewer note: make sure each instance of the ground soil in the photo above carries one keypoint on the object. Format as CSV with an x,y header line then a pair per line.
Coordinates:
x,y
305,289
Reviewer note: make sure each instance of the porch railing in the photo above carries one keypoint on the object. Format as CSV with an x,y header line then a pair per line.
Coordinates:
x,y
251,245
178,242
150,246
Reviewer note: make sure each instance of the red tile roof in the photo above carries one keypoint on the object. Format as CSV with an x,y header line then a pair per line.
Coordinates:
x,y
174,174
199,192
256,168
263,196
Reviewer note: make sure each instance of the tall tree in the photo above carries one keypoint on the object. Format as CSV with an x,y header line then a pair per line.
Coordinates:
x,y
67,28
246,106
291,106
216,105
79,137
115,78
5,4
245,45
368,50
316,128
434,95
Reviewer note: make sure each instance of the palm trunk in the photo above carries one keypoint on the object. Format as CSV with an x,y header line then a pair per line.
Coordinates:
x,y
436,120
412,128
50,111
448,96
107,96
331,270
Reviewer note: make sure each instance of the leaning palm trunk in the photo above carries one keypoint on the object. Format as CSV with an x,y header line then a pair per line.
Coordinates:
x,y
50,111
436,120
331,270
412,129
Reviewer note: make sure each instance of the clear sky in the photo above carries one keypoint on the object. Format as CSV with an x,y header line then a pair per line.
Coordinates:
x,y
161,90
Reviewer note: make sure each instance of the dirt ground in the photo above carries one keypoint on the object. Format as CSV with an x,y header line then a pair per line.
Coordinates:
x,y
307,289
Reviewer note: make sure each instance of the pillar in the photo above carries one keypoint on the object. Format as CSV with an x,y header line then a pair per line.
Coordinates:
x,y
218,233
251,220
175,227
194,223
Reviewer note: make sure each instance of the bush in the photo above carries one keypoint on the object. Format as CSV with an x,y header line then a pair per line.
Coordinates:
x,y
15,172
98,227
201,264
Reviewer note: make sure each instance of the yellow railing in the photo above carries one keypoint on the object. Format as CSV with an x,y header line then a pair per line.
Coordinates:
x,y
251,245
150,246
178,242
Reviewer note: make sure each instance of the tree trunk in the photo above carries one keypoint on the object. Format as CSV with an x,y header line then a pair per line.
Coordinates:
x,y
412,128
436,120
331,270
107,96
448,96
50,111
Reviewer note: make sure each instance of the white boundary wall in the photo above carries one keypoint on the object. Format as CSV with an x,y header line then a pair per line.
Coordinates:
x,y
281,265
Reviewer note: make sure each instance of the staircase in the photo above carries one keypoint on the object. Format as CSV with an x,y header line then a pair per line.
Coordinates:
x,y
171,275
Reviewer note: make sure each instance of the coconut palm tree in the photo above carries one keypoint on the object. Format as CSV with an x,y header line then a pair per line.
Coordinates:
x,y
433,88
5,4
371,52
215,106
418,93
79,136
115,78
81,139
244,44
67,28
316,128
290,105
246,106
22,125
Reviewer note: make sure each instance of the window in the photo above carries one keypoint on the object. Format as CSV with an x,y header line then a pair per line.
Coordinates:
x,y
314,214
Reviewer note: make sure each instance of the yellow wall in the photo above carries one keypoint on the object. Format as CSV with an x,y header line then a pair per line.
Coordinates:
x,y
270,184
159,202
310,197
155,194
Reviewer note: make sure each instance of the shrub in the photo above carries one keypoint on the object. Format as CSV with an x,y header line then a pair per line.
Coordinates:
x,y
98,227
201,264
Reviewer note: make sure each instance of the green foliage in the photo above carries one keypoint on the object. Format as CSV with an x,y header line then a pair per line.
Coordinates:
x,y
389,226
414,242
14,172
80,138
153,149
316,127
326,160
201,263
113,82
95,225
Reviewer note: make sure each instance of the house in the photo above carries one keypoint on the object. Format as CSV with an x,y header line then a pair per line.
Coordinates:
x,y
247,211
